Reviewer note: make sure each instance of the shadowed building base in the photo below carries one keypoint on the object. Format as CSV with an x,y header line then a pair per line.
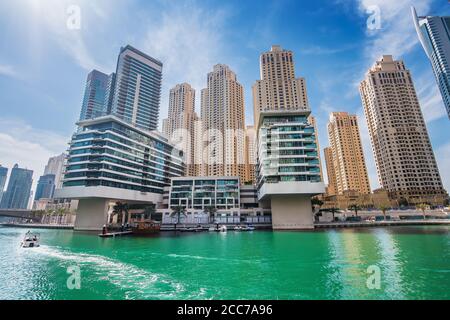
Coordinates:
x,y
91,214
292,212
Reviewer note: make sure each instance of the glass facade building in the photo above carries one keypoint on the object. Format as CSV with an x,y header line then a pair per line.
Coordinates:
x,y
137,90
434,35
17,194
94,96
109,152
287,150
3,176
45,187
201,192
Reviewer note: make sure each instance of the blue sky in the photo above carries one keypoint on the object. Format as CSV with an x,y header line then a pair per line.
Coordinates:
x,y
43,64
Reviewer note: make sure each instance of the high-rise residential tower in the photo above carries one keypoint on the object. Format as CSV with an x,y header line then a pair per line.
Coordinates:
x,y
137,90
404,157
347,154
3,176
250,154
288,171
45,187
434,35
179,126
55,166
331,174
17,194
222,115
94,96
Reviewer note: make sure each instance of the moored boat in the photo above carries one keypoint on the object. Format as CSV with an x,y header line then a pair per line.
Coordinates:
x,y
145,227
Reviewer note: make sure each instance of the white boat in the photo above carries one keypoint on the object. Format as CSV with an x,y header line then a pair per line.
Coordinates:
x,y
247,228
237,228
223,228
30,240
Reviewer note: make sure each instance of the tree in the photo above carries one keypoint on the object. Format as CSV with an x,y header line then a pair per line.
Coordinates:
x,y
211,211
383,209
355,207
149,211
423,207
61,212
316,202
177,211
120,208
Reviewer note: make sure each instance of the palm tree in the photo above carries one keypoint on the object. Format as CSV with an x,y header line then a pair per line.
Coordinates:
x,y
178,211
383,209
149,211
59,213
332,210
120,208
211,211
423,207
355,207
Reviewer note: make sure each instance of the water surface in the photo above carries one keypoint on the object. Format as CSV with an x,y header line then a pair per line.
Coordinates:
x,y
330,264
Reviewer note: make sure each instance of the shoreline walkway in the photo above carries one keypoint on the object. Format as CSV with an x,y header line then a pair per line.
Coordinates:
x,y
38,226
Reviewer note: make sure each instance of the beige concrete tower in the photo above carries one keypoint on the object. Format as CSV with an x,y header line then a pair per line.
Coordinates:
x,y
331,188
404,157
222,114
250,154
347,154
180,124
278,88
288,169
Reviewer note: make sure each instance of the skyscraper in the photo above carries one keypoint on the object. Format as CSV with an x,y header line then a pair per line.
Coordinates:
x,y
3,176
250,154
137,90
17,194
94,96
55,166
404,157
331,174
434,35
347,154
288,171
45,187
222,115
180,122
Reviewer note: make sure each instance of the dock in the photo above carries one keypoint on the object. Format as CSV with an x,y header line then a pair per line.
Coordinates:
x,y
115,234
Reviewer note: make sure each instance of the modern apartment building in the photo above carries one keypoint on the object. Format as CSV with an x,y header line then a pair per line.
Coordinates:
x,y
404,157
137,90
3,176
111,160
347,157
17,194
45,187
180,125
222,115
250,155
94,96
55,166
233,202
434,35
288,171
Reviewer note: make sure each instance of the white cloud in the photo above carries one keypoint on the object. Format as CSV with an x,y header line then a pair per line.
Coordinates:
x,y
188,39
7,70
397,35
430,97
27,146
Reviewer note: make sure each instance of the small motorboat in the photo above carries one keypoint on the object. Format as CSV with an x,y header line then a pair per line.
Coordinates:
x,y
223,228
247,228
30,240
237,228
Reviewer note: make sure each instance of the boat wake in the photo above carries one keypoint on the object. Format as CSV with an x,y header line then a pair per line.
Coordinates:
x,y
134,282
